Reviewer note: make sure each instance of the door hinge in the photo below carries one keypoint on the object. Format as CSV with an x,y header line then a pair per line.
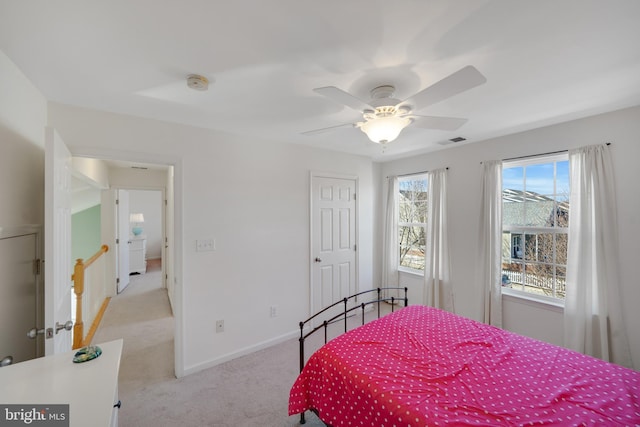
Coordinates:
x,y
117,201
354,196
117,241
166,203
355,247
37,266
117,280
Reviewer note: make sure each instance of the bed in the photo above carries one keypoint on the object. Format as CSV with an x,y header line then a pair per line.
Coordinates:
x,y
422,366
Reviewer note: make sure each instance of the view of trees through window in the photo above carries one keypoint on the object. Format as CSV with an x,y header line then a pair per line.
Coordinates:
x,y
535,220
412,220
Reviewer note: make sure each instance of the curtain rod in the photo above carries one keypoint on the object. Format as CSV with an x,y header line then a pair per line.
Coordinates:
x,y
414,173
541,154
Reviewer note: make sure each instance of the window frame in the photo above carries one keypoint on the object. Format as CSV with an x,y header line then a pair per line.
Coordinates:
x,y
531,230
421,176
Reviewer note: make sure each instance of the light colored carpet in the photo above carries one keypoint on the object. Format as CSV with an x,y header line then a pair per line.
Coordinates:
x,y
248,391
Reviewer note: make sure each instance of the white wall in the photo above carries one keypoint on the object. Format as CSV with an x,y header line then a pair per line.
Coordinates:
x,y
89,177
253,199
94,171
23,115
141,179
621,128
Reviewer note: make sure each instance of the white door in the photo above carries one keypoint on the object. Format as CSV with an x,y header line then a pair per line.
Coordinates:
x,y
333,240
123,241
57,248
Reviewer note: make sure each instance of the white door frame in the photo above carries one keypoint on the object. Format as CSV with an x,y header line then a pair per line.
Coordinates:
x,y
312,176
122,240
176,162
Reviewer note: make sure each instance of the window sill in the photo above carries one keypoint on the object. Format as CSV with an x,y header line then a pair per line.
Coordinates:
x,y
416,273
531,299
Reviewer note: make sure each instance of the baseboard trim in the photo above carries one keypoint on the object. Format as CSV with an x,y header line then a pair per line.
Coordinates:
x,y
242,352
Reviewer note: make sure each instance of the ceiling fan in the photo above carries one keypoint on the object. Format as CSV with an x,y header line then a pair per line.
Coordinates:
x,y
385,117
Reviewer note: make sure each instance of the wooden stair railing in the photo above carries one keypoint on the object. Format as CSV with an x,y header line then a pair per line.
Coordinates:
x,y
78,289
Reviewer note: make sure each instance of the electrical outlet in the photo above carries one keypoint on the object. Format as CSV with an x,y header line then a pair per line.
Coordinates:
x,y
219,326
205,245
274,311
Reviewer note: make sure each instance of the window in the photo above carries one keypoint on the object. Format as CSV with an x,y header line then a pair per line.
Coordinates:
x,y
535,220
412,220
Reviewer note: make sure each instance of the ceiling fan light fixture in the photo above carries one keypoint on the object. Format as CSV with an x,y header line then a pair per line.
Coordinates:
x,y
382,130
385,117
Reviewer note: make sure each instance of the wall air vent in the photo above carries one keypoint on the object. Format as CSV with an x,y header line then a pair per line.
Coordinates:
x,y
140,167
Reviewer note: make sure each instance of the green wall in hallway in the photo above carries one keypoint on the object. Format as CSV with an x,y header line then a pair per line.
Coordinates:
x,y
85,233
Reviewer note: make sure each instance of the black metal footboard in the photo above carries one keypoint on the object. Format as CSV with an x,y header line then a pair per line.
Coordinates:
x,y
345,314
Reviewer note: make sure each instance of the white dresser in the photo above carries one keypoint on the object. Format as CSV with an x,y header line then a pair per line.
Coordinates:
x,y
138,254
90,388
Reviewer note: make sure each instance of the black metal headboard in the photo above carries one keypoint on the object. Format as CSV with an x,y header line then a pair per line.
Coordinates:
x,y
344,314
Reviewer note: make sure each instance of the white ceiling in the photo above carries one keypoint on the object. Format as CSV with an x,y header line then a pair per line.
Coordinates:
x,y
546,61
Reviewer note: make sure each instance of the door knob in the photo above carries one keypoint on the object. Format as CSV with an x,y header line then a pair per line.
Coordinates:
x,y
6,361
35,332
318,259
67,326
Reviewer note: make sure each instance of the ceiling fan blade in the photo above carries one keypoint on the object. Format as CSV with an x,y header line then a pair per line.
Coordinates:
x,y
342,97
458,82
440,123
328,129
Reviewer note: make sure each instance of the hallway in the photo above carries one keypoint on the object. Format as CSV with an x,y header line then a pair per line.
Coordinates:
x,y
142,317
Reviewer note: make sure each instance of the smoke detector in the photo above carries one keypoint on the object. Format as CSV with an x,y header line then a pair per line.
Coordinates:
x,y
197,82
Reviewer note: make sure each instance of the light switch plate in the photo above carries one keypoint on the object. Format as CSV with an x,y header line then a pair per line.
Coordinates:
x,y
205,245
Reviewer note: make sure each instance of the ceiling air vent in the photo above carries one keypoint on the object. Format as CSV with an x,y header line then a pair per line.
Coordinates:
x,y
452,140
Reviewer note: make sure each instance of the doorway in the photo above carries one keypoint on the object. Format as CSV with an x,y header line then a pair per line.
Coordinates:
x,y
146,230
137,175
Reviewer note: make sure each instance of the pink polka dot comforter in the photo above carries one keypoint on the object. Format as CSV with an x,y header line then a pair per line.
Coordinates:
x,y
421,366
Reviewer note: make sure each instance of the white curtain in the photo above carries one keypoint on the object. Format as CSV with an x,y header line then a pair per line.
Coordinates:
x,y
437,274
391,251
489,265
593,320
